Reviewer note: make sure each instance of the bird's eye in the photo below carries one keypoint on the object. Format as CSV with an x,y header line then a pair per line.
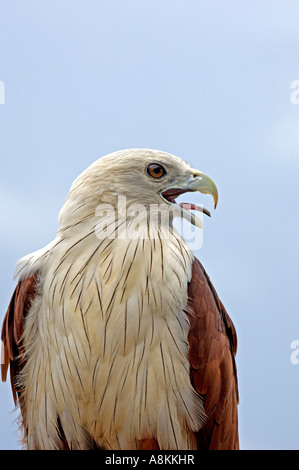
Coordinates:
x,y
155,170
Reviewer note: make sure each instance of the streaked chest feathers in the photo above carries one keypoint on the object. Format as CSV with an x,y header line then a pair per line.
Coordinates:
x,y
107,346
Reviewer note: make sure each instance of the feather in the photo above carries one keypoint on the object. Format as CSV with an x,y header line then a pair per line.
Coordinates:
x,y
213,369
117,341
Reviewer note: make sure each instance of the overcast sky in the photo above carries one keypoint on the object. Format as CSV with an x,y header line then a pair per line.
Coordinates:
x,y
209,81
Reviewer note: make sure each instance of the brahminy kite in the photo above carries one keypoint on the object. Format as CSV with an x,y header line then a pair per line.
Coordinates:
x,y
115,335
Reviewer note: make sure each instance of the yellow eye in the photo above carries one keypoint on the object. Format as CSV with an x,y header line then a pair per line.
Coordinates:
x,y
155,170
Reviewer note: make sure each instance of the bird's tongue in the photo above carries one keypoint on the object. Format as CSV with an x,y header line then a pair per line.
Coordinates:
x,y
195,207
188,206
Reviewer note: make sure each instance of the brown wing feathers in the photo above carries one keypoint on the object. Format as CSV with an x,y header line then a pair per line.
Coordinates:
x,y
212,346
12,329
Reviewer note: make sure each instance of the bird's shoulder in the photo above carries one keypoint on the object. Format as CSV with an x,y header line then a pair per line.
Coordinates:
x,y
12,354
212,348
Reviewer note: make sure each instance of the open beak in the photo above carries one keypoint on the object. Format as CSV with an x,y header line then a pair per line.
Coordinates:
x,y
194,181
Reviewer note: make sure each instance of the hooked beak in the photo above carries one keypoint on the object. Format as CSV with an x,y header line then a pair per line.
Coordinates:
x,y
194,181
203,184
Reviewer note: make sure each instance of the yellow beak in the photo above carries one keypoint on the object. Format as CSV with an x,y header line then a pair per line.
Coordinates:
x,y
203,184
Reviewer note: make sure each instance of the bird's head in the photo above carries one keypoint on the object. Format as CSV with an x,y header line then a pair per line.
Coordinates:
x,y
144,177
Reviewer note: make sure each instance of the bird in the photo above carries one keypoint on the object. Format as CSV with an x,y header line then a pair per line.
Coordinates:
x,y
115,336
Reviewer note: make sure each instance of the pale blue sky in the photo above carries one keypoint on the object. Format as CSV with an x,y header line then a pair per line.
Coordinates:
x,y
208,81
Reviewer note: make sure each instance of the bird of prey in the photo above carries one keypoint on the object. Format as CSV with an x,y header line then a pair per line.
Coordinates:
x,y
115,335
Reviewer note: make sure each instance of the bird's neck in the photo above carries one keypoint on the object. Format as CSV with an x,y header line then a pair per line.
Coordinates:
x,y
127,252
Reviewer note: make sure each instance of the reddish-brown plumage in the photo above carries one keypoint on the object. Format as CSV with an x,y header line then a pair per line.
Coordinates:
x,y
212,347
12,330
